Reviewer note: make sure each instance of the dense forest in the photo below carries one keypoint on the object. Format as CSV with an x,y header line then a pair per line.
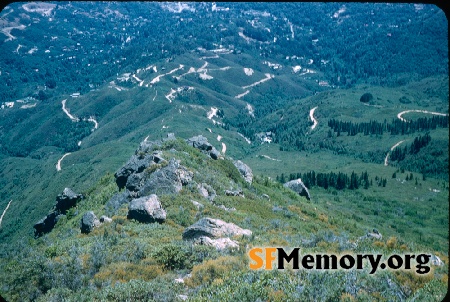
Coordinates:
x,y
338,181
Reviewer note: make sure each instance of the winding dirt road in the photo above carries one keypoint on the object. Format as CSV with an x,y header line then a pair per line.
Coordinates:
x,y
420,111
392,148
311,116
74,119
58,165
66,111
268,77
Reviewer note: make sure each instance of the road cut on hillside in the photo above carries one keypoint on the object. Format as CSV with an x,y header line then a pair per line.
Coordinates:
x,y
392,148
311,116
58,165
420,111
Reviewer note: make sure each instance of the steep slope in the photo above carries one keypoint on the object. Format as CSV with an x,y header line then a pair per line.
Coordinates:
x,y
125,256
242,61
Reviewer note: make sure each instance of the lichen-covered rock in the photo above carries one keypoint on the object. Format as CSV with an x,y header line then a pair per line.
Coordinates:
x,y
46,224
214,153
234,193
116,201
220,244
206,191
146,209
88,222
167,180
147,147
200,142
105,219
245,170
134,182
68,199
298,186
136,164
214,228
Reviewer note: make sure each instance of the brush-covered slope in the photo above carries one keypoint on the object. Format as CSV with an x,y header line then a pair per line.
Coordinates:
x,y
77,82
125,259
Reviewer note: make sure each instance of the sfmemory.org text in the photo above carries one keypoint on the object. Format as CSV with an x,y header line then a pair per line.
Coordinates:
x,y
266,257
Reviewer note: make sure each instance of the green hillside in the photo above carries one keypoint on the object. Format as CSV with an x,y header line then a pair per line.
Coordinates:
x,y
145,259
351,98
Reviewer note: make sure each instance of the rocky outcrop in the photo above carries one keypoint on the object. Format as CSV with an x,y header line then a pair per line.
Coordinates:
x,y
197,204
200,142
65,201
167,180
372,235
136,164
147,146
245,170
46,224
146,209
226,209
220,244
298,186
147,172
234,193
214,232
214,228
116,201
214,153
206,191
68,199
105,219
88,222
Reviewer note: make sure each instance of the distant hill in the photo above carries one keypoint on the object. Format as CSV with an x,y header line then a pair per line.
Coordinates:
x,y
277,86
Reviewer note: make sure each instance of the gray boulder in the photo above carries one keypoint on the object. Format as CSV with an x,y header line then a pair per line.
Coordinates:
x,y
134,181
46,224
220,244
136,164
206,191
146,209
234,193
104,219
372,235
200,142
298,186
214,153
116,201
157,157
167,180
88,222
245,170
147,147
68,199
223,207
213,228
64,201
